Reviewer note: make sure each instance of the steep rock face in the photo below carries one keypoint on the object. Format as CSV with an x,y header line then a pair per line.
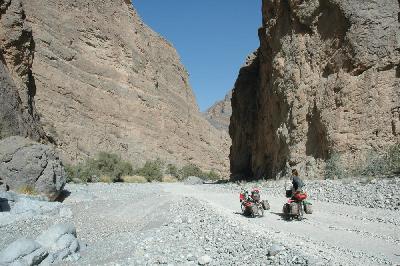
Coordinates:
x,y
325,81
107,82
17,87
219,114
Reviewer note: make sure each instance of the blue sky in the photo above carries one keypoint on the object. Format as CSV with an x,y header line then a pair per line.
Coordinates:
x,y
212,37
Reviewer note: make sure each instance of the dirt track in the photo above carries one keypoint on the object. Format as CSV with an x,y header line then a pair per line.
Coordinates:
x,y
347,234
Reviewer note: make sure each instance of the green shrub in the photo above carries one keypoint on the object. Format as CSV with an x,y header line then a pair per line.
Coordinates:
x,y
212,175
172,170
79,171
104,164
393,157
190,170
334,168
152,170
194,170
380,164
373,165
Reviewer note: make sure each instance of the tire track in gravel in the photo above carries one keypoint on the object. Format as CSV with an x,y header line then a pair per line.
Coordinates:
x,y
347,234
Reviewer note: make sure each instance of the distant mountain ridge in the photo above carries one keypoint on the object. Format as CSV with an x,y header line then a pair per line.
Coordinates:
x,y
219,114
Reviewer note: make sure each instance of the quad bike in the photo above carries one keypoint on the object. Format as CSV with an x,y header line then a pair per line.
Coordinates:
x,y
252,205
296,205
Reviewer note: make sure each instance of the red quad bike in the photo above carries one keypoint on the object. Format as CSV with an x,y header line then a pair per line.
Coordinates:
x,y
252,205
296,205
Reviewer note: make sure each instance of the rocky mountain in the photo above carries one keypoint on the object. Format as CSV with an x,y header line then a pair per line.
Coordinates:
x,y
324,83
219,114
18,114
106,82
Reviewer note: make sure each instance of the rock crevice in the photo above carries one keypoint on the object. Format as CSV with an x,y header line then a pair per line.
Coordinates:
x,y
18,115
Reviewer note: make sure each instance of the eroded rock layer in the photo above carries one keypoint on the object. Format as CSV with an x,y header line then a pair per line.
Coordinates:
x,y
325,81
107,82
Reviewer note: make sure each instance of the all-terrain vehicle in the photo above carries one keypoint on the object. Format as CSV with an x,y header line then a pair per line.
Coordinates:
x,y
296,205
251,203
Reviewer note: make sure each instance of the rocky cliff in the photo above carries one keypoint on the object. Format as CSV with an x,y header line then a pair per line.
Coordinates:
x,y
325,82
106,82
18,114
219,114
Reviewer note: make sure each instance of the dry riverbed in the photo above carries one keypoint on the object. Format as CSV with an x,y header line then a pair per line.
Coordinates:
x,y
178,224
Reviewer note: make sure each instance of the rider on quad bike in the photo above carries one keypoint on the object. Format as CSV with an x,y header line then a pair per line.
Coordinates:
x,y
296,204
297,183
251,203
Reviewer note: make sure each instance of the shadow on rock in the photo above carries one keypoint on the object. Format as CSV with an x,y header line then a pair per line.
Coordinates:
x,y
4,205
63,195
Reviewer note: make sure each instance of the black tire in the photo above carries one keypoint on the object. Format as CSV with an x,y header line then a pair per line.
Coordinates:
x,y
286,212
265,205
286,209
308,208
247,211
300,210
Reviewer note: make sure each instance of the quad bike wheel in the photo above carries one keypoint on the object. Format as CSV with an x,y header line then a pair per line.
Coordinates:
x,y
265,205
308,208
294,208
247,211
261,212
300,210
254,211
286,211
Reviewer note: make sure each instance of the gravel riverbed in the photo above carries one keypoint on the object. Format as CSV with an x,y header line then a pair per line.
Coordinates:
x,y
178,224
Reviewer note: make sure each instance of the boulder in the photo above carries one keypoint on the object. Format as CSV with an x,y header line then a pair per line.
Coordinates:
x,y
275,249
61,242
57,244
50,238
31,168
204,260
23,252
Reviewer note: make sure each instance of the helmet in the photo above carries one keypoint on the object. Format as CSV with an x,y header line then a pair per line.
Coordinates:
x,y
255,194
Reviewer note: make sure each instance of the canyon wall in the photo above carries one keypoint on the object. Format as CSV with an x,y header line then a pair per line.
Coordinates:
x,y
106,82
324,82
